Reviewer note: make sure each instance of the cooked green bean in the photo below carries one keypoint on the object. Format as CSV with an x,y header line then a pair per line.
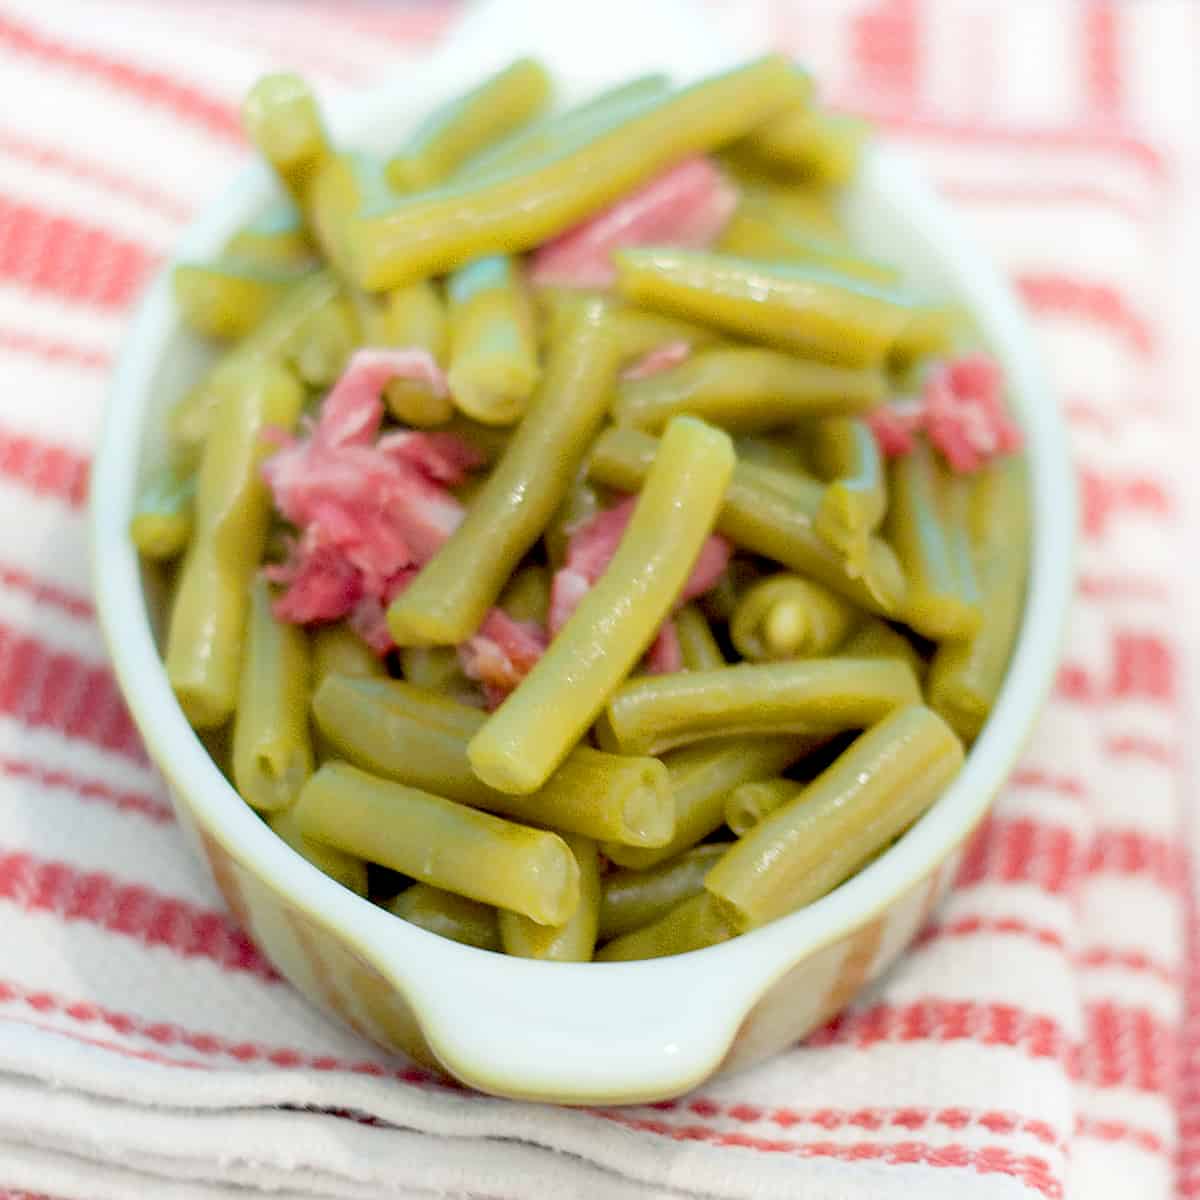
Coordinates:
x,y
493,351
582,502
345,869
750,803
449,916
823,147
943,600
272,751
632,899
790,306
233,508
573,941
779,452
282,120
873,791
227,298
761,518
812,696
447,601
416,316
527,597
786,616
696,642
343,186
469,123
811,211
338,650
855,500
639,332
690,925
551,708
324,343
744,390
875,638
189,421
438,669
448,845
966,675
430,234
162,525
700,778
395,730
276,236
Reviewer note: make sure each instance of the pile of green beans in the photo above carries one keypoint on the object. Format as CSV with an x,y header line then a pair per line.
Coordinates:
x,y
822,689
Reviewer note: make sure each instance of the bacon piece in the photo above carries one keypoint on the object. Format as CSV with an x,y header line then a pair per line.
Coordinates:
x,y
688,205
965,415
440,457
501,653
895,426
665,655
351,413
661,358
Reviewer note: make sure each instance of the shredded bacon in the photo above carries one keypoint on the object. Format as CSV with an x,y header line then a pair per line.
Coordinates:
x,y
661,358
665,656
895,426
501,653
369,510
965,415
688,205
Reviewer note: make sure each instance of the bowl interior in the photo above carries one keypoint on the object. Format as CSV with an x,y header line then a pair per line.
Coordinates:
x,y
544,1027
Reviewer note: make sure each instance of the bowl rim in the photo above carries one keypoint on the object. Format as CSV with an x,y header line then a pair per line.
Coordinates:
x,y
610,1031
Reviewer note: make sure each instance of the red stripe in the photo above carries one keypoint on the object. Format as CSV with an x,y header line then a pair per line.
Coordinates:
x,y
90,790
1127,1047
44,468
100,174
1187,1161
1035,194
69,259
886,47
131,910
1101,45
47,593
1107,495
406,24
1100,957
1088,301
1143,667
1035,778
1121,1131
144,86
54,689
114,1047
54,351
1033,1171
1136,746
1117,585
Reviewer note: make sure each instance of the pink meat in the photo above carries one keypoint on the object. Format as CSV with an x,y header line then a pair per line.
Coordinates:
x,y
965,414
661,358
895,426
687,206
665,655
369,511
501,653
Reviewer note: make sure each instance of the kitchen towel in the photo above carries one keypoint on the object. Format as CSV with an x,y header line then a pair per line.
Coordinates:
x,y
1041,1039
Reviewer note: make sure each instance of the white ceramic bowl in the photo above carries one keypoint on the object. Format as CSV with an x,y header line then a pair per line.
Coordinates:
x,y
582,1033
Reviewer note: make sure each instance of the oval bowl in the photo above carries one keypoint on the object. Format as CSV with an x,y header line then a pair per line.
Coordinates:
x,y
574,1033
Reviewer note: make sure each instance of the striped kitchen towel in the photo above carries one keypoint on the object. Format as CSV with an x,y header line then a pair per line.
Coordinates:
x,y
1042,1039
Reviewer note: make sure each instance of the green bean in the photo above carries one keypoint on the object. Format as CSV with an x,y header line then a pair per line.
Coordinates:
x,y
469,123
550,135
583,501
744,390
750,803
943,600
877,639
700,778
438,669
787,616
282,120
510,213
227,299
343,186
632,899
822,147
275,237
493,351
758,516
789,306
272,752
639,332
338,650
449,916
396,730
324,343
233,508
162,525
416,316
696,642
189,421
966,675
691,925
447,601
855,500
550,709
720,601
814,697
810,211
780,453
873,791
527,596
345,869
448,845
490,440
573,941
